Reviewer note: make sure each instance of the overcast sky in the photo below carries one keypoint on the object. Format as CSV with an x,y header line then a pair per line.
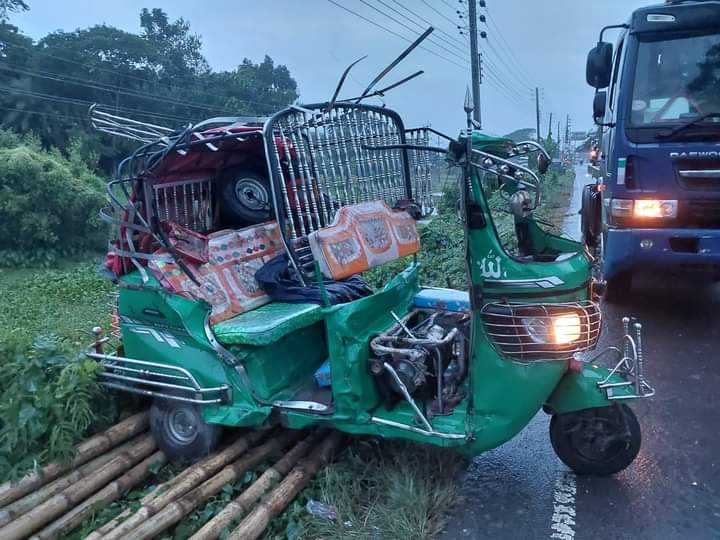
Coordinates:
x,y
543,43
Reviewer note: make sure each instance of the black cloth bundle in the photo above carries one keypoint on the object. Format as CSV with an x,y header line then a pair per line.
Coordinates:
x,y
279,280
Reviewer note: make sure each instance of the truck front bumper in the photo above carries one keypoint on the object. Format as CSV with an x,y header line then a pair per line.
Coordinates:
x,y
626,249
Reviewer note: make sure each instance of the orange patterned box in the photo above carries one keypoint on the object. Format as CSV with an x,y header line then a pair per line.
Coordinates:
x,y
361,237
227,280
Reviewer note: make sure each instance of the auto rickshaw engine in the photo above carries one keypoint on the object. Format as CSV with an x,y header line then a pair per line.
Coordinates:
x,y
422,356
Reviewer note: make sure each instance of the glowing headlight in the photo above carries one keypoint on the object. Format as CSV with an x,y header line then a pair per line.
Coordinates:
x,y
651,208
566,328
557,330
644,208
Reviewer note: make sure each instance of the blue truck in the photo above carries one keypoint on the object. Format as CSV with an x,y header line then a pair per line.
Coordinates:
x,y
655,202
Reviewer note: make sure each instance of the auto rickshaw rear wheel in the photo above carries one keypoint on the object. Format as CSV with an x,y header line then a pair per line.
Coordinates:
x,y
597,442
180,430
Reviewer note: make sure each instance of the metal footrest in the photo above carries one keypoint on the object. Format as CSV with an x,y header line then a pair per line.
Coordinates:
x,y
156,380
630,365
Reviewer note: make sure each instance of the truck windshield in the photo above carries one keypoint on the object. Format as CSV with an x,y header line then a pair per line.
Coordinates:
x,y
676,80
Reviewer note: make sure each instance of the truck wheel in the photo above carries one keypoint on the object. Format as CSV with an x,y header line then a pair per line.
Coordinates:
x,y
619,287
598,442
246,196
590,215
180,430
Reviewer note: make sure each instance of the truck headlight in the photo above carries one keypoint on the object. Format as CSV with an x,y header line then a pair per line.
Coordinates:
x,y
653,208
643,208
555,330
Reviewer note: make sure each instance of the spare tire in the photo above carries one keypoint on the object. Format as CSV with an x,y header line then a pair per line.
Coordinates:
x,y
246,197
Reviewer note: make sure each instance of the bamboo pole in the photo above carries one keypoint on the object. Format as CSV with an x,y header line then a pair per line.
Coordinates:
x,y
177,510
242,504
257,521
186,481
85,451
71,496
31,500
114,522
109,493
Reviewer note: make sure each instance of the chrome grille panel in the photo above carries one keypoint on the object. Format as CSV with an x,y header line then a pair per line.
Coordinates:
x,y
321,160
421,169
187,202
511,338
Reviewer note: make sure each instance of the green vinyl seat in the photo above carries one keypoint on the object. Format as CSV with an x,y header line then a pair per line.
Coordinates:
x,y
266,324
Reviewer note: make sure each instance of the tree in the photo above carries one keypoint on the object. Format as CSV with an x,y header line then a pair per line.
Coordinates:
x,y
519,135
11,6
179,51
158,76
255,88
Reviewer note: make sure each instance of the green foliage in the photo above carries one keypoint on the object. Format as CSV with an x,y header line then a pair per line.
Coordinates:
x,y
11,6
158,75
383,489
66,301
51,399
442,257
48,203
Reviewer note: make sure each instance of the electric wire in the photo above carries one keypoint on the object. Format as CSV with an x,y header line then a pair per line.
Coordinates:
x,y
454,53
386,29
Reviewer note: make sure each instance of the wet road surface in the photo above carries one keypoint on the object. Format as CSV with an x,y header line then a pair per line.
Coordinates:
x,y
672,490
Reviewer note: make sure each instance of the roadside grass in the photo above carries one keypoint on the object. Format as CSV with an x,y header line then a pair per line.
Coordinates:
x,y
387,489
65,301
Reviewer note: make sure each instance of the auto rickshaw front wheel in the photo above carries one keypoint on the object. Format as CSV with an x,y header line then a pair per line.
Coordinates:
x,y
597,442
180,431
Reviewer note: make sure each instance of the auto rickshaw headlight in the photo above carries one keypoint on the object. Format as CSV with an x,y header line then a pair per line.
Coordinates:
x,y
542,331
556,330
566,328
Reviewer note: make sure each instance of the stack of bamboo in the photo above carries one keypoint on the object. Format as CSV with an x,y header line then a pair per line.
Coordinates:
x,y
60,497
300,457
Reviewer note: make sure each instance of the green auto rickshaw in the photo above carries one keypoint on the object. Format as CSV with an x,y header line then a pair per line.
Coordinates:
x,y
238,256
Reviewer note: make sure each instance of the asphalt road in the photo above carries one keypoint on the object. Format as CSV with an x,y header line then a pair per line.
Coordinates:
x,y
672,491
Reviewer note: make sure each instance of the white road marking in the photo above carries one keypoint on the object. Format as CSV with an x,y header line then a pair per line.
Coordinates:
x,y
563,517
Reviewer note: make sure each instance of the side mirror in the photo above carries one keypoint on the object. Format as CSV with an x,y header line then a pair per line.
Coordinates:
x,y
543,163
599,106
599,65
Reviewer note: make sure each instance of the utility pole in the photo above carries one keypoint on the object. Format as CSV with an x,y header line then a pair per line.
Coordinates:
x,y
550,127
537,114
474,59
480,74
558,134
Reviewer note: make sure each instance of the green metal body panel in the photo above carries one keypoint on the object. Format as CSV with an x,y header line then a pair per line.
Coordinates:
x,y
266,324
577,391
274,350
278,370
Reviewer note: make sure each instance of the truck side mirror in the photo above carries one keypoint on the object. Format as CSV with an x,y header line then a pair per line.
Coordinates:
x,y
599,106
543,163
599,65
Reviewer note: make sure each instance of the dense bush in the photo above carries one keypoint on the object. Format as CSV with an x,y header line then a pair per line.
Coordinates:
x,y
48,203
51,399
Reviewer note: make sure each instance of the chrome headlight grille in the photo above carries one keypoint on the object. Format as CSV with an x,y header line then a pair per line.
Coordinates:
x,y
530,332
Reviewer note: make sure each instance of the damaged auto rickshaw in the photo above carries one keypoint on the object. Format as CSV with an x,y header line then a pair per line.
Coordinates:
x,y
270,323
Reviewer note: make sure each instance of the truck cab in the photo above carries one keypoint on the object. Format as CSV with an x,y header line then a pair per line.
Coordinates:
x,y
655,203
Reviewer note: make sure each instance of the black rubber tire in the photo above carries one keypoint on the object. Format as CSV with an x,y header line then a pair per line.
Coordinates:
x,y
570,438
618,287
590,215
246,197
197,441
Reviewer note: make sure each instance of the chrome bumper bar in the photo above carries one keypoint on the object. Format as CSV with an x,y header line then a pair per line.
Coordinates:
x,y
630,366
156,380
